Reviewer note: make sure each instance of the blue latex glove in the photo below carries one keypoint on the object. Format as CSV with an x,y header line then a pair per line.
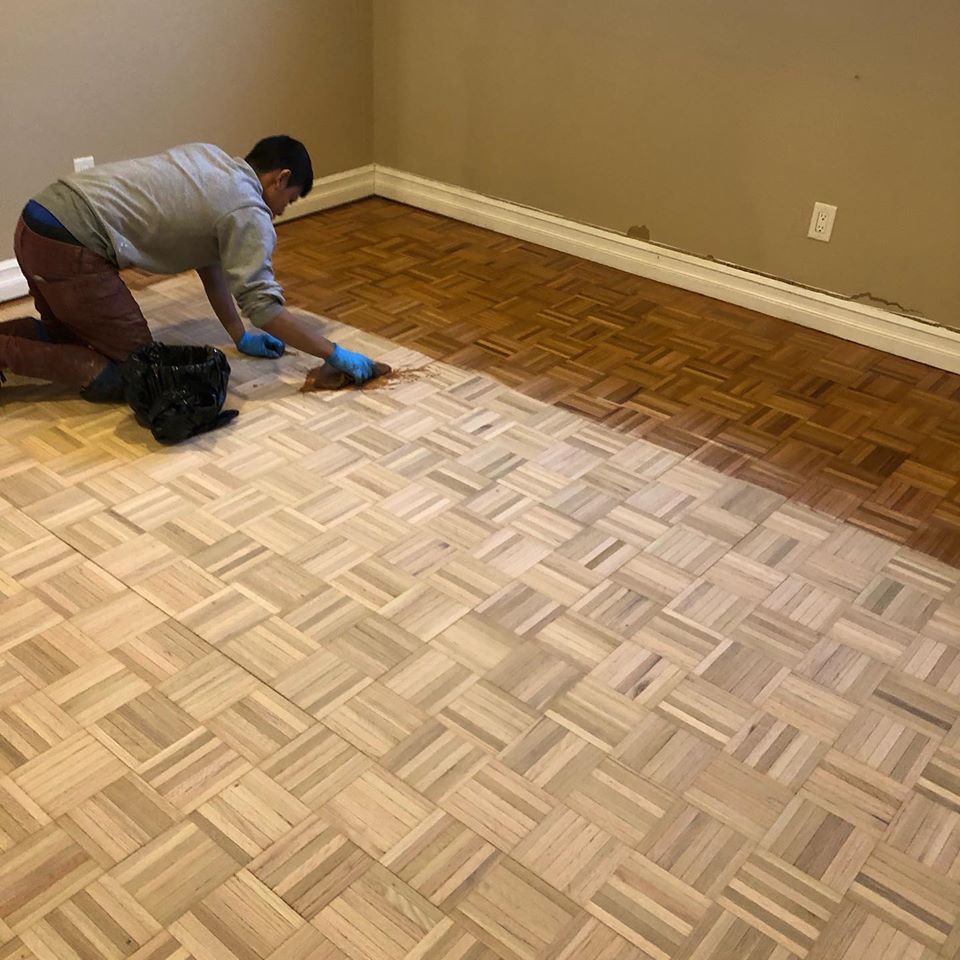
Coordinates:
x,y
355,365
261,345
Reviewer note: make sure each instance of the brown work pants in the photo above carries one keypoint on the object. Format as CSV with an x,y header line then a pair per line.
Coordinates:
x,y
88,315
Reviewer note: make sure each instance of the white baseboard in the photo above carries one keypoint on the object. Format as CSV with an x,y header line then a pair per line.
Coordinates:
x,y
333,190
901,336
13,283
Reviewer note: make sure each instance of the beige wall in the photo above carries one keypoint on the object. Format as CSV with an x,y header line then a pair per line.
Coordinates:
x,y
122,78
716,124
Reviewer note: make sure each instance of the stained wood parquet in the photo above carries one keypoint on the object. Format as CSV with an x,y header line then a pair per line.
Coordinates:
x,y
443,671
848,430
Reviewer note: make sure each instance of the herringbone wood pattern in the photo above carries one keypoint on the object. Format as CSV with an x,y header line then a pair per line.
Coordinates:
x,y
439,670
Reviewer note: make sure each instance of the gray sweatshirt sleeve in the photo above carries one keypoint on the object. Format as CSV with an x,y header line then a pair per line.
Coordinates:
x,y
247,240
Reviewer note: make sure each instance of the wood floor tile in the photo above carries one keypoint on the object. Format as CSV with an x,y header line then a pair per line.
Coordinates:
x,y
53,655
571,853
695,848
430,680
377,811
310,866
103,920
861,935
20,816
723,934
819,843
119,819
193,769
316,766
784,904
648,906
175,871
596,713
919,819
442,859
447,939
706,710
665,753
499,805
489,716
162,650
30,726
902,892
260,724
515,913
307,944
378,917
242,918
777,749
208,686
740,797
39,874
142,727
856,792
68,773
268,649
553,757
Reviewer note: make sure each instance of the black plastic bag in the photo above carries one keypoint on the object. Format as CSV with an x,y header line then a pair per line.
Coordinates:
x,y
177,392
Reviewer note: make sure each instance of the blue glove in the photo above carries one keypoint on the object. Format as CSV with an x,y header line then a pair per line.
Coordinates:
x,y
355,365
261,345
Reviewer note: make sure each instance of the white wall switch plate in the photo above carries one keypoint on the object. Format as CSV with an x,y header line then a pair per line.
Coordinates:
x,y
82,163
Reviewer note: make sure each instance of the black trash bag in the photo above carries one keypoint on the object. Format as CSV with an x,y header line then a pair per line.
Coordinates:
x,y
177,392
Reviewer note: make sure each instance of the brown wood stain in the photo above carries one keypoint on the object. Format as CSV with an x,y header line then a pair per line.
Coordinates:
x,y
325,378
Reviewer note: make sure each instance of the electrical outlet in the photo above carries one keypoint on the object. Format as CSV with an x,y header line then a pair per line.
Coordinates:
x,y
82,163
821,223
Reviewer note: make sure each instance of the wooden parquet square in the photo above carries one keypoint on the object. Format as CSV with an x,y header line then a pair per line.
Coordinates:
x,y
516,913
241,919
447,670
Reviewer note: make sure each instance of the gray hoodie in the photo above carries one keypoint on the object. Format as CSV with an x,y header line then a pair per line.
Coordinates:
x,y
192,206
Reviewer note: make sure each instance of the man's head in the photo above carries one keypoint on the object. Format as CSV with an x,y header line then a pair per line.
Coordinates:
x,y
284,168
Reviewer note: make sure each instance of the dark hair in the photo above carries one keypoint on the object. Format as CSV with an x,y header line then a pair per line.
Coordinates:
x,y
283,153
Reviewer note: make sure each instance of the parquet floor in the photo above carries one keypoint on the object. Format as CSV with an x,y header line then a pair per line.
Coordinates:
x,y
446,671
850,431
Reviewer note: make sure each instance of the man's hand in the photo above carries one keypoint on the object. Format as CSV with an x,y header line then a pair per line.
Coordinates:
x,y
261,345
354,365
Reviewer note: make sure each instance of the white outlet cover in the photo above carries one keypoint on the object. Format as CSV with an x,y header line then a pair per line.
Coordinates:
x,y
82,163
821,222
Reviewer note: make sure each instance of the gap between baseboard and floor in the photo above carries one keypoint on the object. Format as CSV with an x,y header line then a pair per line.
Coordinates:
x,y
893,333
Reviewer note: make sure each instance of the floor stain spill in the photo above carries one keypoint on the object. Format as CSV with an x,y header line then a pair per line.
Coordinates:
x,y
319,378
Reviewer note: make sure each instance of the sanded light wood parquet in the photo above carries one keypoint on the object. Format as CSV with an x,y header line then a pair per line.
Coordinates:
x,y
853,432
441,670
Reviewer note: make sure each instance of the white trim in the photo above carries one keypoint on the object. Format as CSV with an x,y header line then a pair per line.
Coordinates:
x,y
13,283
893,333
332,191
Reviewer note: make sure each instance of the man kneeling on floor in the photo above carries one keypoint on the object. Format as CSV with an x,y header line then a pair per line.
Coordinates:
x,y
191,208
